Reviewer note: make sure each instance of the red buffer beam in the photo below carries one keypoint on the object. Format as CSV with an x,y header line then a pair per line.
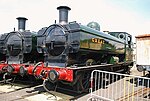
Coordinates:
x,y
53,73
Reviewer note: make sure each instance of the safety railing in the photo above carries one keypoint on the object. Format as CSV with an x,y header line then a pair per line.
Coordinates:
x,y
109,86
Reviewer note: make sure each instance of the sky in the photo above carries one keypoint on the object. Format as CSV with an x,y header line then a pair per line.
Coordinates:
x,y
132,16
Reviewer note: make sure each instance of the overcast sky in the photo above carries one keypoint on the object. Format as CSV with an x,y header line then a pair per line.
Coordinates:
x,y
132,16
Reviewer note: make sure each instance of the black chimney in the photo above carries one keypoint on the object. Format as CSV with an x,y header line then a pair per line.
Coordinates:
x,y
63,14
21,23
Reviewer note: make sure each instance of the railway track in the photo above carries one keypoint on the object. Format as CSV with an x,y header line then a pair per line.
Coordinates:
x,y
32,92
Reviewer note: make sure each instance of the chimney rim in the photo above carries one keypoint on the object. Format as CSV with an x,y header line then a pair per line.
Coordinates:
x,y
21,18
64,7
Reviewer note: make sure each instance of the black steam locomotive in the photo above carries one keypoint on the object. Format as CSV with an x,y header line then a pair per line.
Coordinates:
x,y
72,51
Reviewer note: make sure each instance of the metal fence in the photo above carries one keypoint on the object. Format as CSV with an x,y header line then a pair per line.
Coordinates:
x,y
109,86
